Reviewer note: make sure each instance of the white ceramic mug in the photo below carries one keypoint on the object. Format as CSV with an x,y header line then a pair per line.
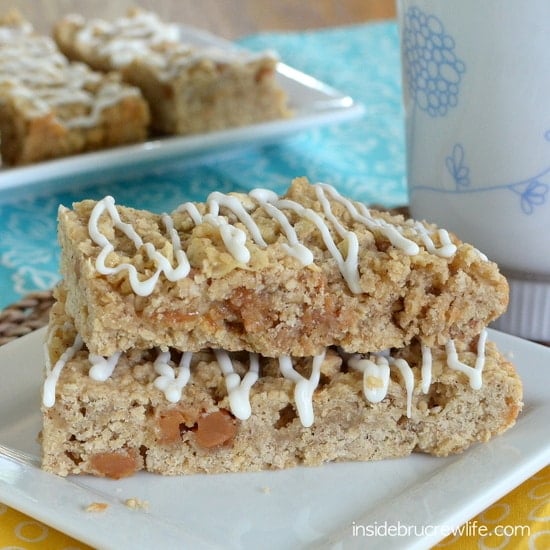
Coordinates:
x,y
476,88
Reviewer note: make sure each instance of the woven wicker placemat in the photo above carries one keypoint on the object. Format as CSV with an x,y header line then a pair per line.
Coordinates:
x,y
30,313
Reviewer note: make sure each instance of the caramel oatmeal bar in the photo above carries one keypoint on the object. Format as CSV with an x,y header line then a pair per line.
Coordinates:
x,y
50,107
273,275
190,88
175,412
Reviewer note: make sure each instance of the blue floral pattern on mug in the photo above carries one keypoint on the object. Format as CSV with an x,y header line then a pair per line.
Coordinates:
x,y
457,167
433,71
532,191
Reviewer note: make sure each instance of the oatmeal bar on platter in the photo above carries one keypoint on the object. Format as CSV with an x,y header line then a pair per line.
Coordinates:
x,y
51,108
189,88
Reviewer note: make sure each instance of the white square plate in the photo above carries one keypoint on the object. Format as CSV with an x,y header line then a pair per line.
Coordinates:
x,y
298,508
312,102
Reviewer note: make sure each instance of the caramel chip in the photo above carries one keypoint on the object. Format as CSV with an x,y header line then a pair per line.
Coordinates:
x,y
215,429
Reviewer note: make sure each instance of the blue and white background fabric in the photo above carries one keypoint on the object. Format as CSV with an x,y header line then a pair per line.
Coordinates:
x,y
363,158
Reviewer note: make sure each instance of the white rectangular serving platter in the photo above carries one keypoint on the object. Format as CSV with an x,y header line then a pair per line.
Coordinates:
x,y
299,508
312,102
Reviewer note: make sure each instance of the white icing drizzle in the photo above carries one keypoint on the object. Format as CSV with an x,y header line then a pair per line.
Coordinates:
x,y
34,70
181,257
408,378
235,238
347,267
143,37
145,287
304,387
168,381
447,248
192,210
52,374
426,369
102,367
376,376
391,232
238,391
482,256
232,203
474,373
266,199
127,38
375,369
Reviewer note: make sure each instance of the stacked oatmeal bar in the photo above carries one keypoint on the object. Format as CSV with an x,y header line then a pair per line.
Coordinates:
x,y
256,331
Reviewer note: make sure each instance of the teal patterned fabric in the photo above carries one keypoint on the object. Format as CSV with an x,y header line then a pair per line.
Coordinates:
x,y
363,158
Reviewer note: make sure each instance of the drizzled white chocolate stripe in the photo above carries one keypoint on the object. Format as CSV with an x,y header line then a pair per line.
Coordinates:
x,y
238,390
138,37
376,376
169,381
33,69
125,39
52,374
375,369
145,287
103,367
236,239
426,369
303,387
474,373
